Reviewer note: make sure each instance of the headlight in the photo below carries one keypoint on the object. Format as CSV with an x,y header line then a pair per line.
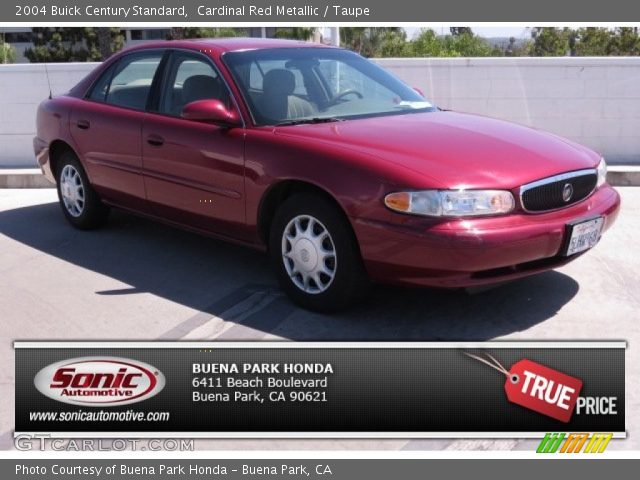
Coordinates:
x,y
602,172
451,203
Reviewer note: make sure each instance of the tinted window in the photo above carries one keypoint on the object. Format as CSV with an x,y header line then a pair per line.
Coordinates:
x,y
128,83
190,79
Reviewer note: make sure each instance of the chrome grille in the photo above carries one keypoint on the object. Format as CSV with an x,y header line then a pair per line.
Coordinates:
x,y
558,191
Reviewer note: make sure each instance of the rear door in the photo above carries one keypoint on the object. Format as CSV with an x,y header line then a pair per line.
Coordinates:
x,y
194,171
107,127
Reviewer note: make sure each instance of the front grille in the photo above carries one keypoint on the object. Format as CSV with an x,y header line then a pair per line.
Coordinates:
x,y
551,193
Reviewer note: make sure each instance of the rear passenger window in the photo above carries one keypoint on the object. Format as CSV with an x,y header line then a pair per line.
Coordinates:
x,y
101,87
130,83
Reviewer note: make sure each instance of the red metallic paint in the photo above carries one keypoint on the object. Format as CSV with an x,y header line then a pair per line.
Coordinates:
x,y
213,179
212,111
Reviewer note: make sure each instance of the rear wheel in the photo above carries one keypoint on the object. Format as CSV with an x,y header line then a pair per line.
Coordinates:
x,y
315,254
80,203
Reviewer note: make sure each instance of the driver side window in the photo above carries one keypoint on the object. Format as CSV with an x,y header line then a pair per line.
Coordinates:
x,y
191,78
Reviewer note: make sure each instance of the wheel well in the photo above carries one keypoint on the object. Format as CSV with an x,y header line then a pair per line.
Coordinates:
x,y
56,149
277,194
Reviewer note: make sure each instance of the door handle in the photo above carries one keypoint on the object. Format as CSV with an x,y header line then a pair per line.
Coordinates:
x,y
83,124
155,140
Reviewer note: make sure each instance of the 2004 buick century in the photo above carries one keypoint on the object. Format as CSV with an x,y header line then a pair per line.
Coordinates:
x,y
342,172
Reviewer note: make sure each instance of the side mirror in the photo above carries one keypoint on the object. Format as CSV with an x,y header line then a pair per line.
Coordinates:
x,y
213,111
419,90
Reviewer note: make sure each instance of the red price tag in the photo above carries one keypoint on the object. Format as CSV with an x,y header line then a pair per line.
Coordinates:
x,y
543,389
539,388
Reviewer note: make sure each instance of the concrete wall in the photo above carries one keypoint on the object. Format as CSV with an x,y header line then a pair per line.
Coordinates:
x,y
595,101
22,88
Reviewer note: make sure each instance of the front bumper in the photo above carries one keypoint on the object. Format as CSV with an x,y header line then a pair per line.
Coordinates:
x,y
467,252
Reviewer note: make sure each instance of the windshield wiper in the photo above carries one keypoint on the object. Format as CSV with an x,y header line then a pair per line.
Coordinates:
x,y
300,121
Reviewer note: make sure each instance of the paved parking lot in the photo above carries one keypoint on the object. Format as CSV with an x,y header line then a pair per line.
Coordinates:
x,y
136,279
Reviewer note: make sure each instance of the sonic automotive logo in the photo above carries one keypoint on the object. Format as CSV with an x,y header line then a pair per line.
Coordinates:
x,y
99,381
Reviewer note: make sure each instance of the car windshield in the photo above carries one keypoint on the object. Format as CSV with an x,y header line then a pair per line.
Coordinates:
x,y
300,85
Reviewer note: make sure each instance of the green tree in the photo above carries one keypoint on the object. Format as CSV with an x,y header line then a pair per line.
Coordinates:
x,y
461,44
466,44
62,44
427,44
625,41
394,44
594,42
7,53
552,42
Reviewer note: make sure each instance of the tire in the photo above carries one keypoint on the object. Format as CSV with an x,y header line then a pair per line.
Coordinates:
x,y
322,271
80,204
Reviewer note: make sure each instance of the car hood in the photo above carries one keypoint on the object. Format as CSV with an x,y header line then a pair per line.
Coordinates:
x,y
453,150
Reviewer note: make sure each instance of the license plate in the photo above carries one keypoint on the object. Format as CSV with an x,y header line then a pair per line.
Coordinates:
x,y
583,235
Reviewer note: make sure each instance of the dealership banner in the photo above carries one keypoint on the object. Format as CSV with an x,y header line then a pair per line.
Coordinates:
x,y
317,11
276,389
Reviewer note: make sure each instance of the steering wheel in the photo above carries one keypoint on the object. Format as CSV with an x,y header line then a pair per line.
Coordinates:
x,y
338,96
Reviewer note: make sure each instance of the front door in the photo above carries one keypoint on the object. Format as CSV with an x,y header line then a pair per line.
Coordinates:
x,y
194,171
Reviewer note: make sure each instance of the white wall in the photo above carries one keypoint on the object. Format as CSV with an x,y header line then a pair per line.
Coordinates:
x,y
595,101
22,88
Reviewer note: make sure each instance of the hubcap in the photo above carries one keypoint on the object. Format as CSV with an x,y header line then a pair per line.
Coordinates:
x,y
309,254
72,190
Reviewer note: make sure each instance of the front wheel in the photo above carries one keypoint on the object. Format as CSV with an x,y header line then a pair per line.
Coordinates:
x,y
80,203
315,254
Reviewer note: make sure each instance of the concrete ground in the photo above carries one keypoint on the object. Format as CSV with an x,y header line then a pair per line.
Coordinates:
x,y
139,280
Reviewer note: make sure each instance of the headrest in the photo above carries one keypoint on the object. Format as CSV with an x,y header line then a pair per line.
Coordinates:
x,y
200,87
279,81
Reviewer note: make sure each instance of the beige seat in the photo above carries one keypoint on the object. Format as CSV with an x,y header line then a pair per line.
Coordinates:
x,y
278,102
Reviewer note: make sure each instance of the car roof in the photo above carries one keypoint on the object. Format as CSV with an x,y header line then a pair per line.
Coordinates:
x,y
221,45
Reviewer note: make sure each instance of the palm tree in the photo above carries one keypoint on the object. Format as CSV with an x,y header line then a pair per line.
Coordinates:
x,y
104,41
366,41
176,33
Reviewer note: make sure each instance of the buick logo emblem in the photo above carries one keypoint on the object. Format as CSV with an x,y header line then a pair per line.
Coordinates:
x,y
567,192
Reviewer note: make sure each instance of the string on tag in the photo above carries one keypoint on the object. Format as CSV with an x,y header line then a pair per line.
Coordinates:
x,y
495,364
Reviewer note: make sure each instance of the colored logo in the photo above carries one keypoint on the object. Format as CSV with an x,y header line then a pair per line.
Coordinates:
x,y
574,443
99,381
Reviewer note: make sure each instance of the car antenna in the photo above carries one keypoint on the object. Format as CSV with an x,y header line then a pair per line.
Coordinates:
x,y
46,71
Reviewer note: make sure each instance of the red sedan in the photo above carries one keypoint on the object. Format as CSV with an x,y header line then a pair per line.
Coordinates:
x,y
342,172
